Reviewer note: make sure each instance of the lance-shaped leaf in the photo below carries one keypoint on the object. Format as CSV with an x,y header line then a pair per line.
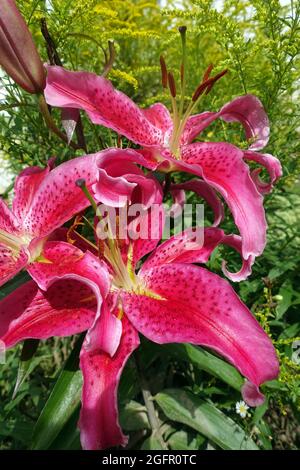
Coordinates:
x,y
186,408
26,365
63,401
208,362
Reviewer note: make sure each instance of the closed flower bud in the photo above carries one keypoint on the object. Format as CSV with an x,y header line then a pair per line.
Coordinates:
x,y
18,54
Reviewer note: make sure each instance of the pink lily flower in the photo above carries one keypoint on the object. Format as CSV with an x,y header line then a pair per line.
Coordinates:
x,y
44,199
167,143
168,300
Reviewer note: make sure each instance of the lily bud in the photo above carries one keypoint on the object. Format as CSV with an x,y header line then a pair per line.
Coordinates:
x,y
18,54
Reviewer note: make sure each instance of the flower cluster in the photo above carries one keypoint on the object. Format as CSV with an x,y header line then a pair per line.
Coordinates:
x,y
112,287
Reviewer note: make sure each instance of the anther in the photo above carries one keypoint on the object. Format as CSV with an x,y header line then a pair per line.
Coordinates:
x,y
172,85
206,86
207,73
164,72
215,79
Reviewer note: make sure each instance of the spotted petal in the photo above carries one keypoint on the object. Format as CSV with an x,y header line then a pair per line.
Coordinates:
x,y
272,165
64,261
57,198
247,110
221,165
103,104
67,308
185,303
26,185
99,424
195,245
11,263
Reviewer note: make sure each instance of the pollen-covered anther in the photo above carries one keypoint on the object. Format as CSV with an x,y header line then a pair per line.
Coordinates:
x,y
172,85
207,73
206,86
164,72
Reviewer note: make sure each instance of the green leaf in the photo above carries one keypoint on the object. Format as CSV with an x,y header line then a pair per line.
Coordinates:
x,y
265,435
181,440
27,364
290,331
260,411
20,431
184,407
133,417
69,436
208,362
63,401
152,443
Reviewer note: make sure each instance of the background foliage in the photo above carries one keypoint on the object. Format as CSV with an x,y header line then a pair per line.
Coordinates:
x,y
259,42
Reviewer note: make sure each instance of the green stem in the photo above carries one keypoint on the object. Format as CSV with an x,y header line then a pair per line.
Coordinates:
x,y
51,124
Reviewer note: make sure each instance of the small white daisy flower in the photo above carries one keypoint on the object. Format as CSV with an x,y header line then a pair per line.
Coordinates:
x,y
241,408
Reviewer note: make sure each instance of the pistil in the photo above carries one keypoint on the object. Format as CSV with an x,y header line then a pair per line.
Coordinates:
x,y
180,116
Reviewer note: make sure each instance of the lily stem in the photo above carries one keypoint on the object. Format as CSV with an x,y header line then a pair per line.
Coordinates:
x,y
148,400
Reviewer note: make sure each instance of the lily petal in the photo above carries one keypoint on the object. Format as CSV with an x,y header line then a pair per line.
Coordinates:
x,y
118,176
57,198
160,117
99,424
65,261
195,245
206,192
11,263
112,191
247,109
252,395
185,303
179,199
67,308
26,185
221,165
103,104
272,165
196,124
8,221
151,226
236,242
